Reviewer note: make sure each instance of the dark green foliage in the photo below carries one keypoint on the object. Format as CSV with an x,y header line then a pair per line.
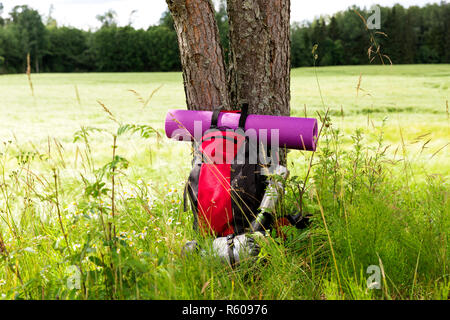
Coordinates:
x,y
66,49
222,24
23,33
108,19
407,35
2,21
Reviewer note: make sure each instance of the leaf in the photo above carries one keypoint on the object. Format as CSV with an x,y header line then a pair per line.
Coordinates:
x,y
96,261
137,265
145,131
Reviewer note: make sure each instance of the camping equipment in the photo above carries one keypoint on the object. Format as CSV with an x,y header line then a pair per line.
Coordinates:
x,y
225,196
294,133
230,198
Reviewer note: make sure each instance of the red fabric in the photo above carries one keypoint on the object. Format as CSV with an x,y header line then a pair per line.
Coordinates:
x,y
220,150
214,200
231,111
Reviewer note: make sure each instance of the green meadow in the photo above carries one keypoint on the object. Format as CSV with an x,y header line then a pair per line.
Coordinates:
x,y
91,190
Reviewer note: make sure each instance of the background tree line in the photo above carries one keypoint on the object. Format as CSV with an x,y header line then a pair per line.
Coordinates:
x,y
407,35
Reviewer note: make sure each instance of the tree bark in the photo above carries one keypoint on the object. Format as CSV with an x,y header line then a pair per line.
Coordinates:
x,y
259,61
259,71
204,75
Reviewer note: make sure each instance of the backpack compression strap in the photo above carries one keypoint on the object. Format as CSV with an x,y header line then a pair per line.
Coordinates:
x,y
230,245
215,117
242,119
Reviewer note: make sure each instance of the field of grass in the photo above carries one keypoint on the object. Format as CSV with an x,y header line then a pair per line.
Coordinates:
x,y
72,206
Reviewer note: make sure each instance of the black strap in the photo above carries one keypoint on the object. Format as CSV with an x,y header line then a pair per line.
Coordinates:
x,y
244,114
215,117
242,119
230,245
185,196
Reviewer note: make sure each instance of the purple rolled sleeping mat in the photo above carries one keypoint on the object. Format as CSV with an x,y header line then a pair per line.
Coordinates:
x,y
293,132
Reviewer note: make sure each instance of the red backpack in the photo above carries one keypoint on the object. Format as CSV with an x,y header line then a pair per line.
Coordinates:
x,y
225,194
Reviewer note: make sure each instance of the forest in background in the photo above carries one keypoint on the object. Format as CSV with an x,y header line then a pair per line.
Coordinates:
x,y
407,36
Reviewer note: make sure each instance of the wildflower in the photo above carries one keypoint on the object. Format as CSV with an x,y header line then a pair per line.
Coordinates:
x,y
131,243
2,282
76,246
118,250
169,221
140,182
169,192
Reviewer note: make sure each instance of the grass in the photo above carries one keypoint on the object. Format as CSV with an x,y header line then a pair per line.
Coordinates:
x,y
378,191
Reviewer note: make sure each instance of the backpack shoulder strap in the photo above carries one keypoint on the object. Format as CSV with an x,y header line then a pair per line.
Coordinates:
x,y
185,197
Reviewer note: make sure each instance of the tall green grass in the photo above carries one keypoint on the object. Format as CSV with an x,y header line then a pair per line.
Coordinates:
x,y
95,212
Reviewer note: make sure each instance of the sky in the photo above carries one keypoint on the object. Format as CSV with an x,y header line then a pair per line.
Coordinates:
x,y
82,13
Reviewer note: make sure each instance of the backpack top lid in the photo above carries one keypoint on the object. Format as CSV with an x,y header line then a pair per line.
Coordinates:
x,y
221,145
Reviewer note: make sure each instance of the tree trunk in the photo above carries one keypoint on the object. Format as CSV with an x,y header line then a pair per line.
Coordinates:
x,y
259,64
201,54
259,71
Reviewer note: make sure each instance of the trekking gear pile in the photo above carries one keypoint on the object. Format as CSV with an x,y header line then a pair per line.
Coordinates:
x,y
232,192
